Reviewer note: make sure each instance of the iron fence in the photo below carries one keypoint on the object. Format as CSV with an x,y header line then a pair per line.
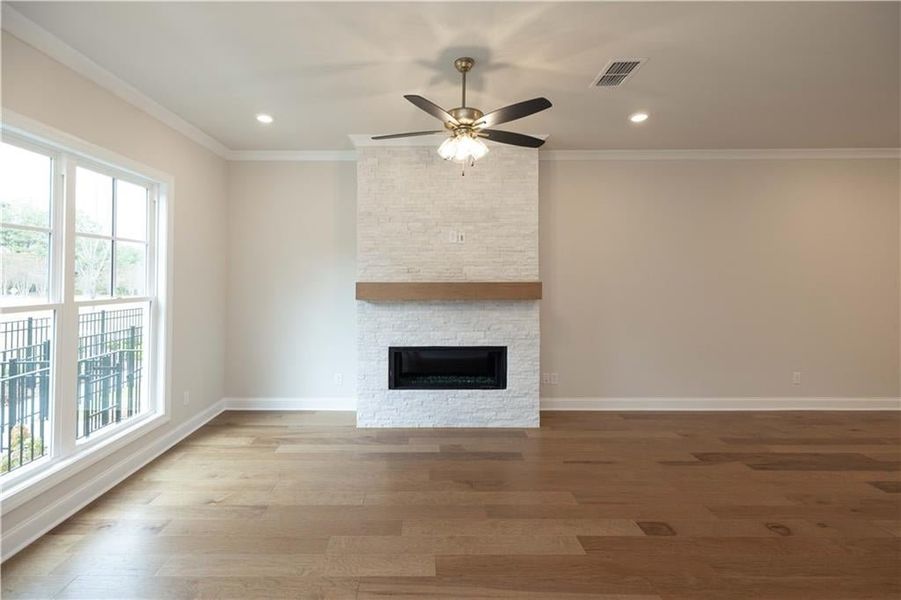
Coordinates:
x,y
110,371
25,385
109,368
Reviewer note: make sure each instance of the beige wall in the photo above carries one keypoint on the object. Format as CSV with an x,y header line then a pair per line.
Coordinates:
x,y
291,257
720,277
38,87
672,278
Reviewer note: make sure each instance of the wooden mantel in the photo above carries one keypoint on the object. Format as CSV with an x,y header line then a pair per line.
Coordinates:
x,y
462,290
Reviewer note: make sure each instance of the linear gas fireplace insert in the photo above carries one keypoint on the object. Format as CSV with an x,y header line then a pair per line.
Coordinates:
x,y
447,367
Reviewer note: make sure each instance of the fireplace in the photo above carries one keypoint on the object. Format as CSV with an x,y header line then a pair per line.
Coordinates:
x,y
447,367
464,343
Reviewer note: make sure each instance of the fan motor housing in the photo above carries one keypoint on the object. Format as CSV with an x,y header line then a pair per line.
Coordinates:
x,y
464,63
466,115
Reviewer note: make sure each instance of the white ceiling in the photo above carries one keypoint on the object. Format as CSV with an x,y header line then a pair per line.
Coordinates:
x,y
719,75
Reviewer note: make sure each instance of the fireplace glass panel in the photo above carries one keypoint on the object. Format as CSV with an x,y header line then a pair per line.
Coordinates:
x,y
447,367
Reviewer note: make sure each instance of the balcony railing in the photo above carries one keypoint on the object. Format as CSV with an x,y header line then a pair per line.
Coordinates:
x,y
25,386
110,368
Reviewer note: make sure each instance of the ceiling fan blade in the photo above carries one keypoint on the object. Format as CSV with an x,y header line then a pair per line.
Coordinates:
x,y
513,112
404,135
508,137
432,108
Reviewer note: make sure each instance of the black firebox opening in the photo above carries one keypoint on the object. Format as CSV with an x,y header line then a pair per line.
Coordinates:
x,y
447,367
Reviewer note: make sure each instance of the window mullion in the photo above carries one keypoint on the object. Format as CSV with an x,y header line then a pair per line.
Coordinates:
x,y
66,380
112,269
156,396
34,228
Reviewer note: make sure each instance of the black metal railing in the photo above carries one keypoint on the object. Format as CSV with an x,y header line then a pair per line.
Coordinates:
x,y
110,371
110,349
25,386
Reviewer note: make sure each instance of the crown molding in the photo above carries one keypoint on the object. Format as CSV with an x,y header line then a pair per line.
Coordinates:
x,y
20,26
590,155
725,154
292,155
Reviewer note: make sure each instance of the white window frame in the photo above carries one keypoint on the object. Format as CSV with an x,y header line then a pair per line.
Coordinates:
x,y
66,455
73,163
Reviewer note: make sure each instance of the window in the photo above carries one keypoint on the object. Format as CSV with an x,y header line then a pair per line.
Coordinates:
x,y
25,200
111,242
25,418
80,354
110,365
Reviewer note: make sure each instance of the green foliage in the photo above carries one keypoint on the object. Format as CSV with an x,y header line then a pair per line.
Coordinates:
x,y
20,214
25,256
92,265
17,240
30,449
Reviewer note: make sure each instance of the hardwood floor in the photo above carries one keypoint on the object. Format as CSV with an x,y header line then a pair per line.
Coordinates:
x,y
627,506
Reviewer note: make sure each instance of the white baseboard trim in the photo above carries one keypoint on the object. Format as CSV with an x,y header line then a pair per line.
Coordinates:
x,y
29,530
304,403
720,404
349,403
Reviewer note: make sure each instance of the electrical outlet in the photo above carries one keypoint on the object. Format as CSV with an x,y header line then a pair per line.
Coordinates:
x,y
186,398
338,378
555,378
455,236
796,378
545,378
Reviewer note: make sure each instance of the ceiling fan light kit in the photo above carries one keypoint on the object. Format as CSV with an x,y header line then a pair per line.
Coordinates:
x,y
464,148
467,124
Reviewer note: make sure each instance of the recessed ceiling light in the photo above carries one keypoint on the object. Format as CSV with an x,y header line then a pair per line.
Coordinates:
x,y
264,118
638,117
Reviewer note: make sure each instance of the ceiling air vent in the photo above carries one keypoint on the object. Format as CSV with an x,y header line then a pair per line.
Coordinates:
x,y
617,72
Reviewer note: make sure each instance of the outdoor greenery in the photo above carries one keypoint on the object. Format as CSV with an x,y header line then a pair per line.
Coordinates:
x,y
26,254
31,448
23,254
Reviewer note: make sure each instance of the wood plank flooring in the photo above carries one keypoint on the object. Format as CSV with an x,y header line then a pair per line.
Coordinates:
x,y
627,506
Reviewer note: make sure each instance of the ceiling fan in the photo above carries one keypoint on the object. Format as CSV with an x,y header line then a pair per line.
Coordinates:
x,y
467,124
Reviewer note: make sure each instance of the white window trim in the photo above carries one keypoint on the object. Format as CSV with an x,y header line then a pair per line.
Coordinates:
x,y
66,458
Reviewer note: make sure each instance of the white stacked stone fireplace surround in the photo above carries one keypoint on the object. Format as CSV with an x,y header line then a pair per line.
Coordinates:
x,y
409,202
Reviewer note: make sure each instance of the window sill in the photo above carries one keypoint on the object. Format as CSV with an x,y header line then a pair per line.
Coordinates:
x,y
57,471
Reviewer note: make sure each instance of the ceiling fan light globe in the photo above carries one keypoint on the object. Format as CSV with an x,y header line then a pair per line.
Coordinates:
x,y
479,149
463,149
448,148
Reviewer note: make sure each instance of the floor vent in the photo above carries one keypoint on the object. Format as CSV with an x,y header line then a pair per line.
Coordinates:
x,y
617,72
